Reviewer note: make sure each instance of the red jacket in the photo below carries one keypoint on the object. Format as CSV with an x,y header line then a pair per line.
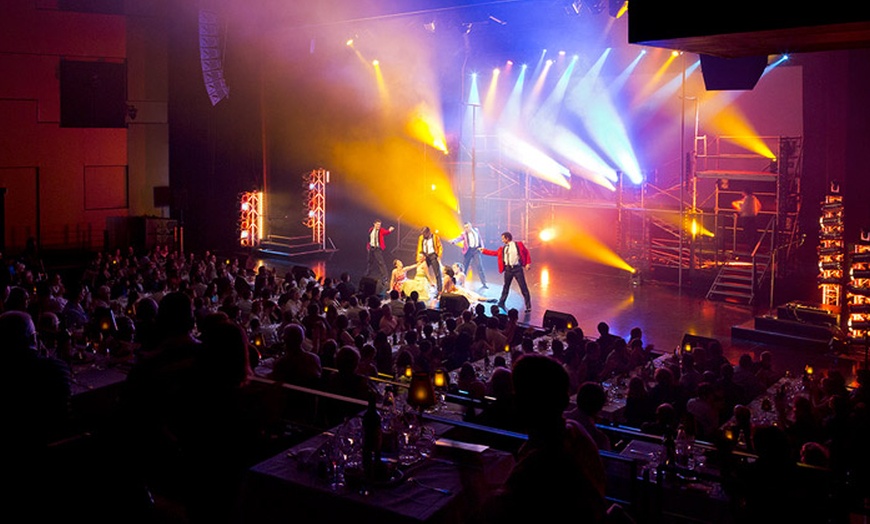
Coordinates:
x,y
382,232
525,256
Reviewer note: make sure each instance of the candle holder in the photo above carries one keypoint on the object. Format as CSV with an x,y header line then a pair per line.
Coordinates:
x,y
421,393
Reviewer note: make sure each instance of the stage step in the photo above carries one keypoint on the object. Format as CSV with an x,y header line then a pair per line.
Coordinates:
x,y
292,246
738,281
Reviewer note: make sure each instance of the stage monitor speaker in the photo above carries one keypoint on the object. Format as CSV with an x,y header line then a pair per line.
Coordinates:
x,y
453,303
367,287
732,74
690,342
559,321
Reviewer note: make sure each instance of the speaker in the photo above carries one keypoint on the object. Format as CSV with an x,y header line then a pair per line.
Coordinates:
x,y
453,303
727,74
367,287
559,321
692,341
162,196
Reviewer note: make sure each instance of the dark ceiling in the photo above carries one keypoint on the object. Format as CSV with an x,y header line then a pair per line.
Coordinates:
x,y
742,28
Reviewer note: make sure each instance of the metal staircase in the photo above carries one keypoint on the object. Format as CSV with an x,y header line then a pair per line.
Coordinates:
x,y
740,278
737,281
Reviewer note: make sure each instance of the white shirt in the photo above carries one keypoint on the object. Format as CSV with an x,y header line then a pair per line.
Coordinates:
x,y
511,254
428,245
472,240
373,240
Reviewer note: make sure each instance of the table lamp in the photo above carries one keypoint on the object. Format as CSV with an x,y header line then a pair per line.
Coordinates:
x,y
421,394
439,379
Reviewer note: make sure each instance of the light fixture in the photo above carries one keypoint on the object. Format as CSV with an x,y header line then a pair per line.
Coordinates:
x,y
421,394
439,379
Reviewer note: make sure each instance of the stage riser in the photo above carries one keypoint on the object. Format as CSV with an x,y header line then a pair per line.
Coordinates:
x,y
806,315
793,328
780,339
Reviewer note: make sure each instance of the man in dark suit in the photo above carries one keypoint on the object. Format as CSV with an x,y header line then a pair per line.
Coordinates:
x,y
513,259
375,248
471,240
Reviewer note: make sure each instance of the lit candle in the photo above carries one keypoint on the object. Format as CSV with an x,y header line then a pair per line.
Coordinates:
x,y
440,378
808,370
409,371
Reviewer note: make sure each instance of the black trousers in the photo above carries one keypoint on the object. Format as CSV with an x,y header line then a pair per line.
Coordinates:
x,y
433,264
518,273
749,231
375,266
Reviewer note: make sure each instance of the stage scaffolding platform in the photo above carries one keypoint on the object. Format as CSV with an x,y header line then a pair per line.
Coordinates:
x,y
663,223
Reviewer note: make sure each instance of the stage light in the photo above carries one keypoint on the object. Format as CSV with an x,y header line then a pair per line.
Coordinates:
x,y
349,42
376,62
430,26
577,6
547,234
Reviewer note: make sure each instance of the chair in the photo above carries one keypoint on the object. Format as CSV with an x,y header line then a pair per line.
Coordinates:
x,y
622,485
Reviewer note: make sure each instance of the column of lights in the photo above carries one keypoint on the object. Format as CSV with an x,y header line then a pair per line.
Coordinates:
x,y
832,249
315,194
251,218
858,289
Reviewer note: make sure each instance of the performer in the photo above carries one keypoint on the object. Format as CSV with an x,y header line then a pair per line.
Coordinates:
x,y
399,274
375,248
748,207
513,259
430,246
452,285
420,283
471,240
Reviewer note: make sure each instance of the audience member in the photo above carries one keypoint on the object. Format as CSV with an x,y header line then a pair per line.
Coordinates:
x,y
590,400
35,389
296,365
639,408
558,471
745,377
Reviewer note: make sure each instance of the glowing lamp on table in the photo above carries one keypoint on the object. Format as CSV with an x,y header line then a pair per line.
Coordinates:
x,y
421,393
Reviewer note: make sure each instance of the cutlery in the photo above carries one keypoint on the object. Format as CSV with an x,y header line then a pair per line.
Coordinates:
x,y
416,481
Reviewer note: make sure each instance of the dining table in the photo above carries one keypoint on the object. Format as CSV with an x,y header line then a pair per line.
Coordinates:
x,y
691,489
96,381
443,485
